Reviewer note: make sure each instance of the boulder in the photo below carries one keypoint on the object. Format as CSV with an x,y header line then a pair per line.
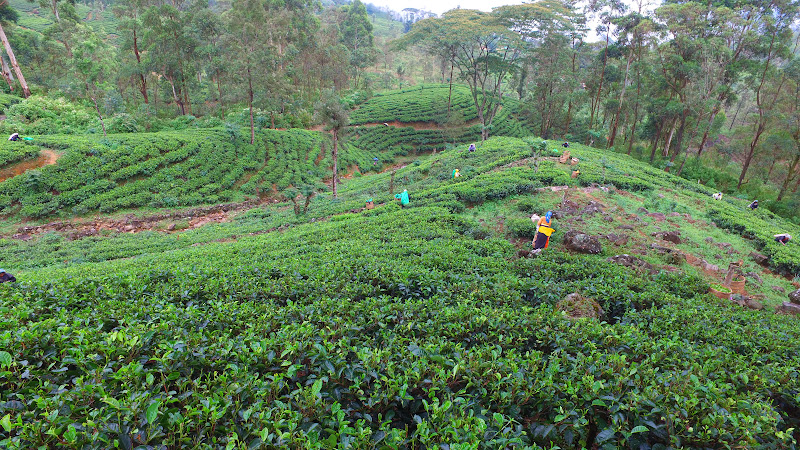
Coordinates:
x,y
582,243
723,245
625,227
669,236
779,289
760,259
642,210
674,214
658,216
794,297
755,277
632,262
576,306
709,239
789,308
660,249
617,239
753,304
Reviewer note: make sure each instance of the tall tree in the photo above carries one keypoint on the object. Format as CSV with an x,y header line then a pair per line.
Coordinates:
x,y
332,112
130,13
546,28
776,42
486,53
7,14
251,58
355,33
92,60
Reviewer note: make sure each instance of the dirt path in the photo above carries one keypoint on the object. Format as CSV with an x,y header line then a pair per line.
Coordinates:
x,y
45,158
169,222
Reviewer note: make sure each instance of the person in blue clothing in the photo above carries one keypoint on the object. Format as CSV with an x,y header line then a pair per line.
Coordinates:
x,y
472,147
403,197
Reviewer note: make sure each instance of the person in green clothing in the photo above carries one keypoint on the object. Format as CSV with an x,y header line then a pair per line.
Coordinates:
x,y
403,197
456,173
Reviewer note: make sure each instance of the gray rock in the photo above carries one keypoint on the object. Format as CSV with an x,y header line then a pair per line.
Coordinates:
x,y
642,210
779,289
670,236
794,297
582,243
632,262
789,308
658,216
753,304
760,259
755,277
625,227
709,239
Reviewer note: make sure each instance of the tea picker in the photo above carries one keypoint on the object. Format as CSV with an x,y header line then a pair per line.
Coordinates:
x,y
472,147
14,137
717,196
5,276
754,205
783,238
456,173
403,197
543,231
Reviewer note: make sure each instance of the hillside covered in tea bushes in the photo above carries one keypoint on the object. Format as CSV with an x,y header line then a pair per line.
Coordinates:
x,y
329,325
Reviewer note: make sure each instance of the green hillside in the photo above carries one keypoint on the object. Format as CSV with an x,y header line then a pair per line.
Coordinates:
x,y
166,169
410,327
34,17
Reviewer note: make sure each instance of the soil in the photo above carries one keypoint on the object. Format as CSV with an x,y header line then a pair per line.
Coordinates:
x,y
45,158
190,219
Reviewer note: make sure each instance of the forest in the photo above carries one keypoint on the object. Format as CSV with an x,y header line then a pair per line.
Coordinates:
x,y
706,90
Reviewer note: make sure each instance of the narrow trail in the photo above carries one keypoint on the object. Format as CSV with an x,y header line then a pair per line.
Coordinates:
x,y
46,157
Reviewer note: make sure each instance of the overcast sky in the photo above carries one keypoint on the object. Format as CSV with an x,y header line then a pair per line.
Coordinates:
x,y
440,6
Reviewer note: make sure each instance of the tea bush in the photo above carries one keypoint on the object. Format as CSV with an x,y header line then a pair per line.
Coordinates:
x,y
165,169
388,329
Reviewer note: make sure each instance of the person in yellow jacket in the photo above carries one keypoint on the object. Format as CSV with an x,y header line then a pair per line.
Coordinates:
x,y
543,231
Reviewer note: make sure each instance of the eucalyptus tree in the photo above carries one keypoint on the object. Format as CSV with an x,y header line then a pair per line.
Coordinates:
x,y
775,44
485,52
547,29
7,14
635,30
332,112
790,106
171,47
250,56
129,13
355,33
93,63
607,11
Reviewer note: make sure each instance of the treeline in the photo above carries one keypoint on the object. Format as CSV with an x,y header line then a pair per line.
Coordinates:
x,y
186,57
665,85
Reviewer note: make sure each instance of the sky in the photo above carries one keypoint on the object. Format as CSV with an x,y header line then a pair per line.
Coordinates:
x,y
440,6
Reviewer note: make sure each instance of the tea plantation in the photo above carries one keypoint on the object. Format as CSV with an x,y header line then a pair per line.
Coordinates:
x,y
421,327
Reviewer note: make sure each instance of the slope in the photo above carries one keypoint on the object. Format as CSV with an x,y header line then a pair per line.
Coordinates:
x,y
411,327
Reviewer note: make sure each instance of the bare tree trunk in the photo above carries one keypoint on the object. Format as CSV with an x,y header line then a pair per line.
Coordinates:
x,y
335,160
176,96
94,99
7,73
789,176
250,101
659,127
142,80
221,103
25,91
596,103
621,97
669,138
